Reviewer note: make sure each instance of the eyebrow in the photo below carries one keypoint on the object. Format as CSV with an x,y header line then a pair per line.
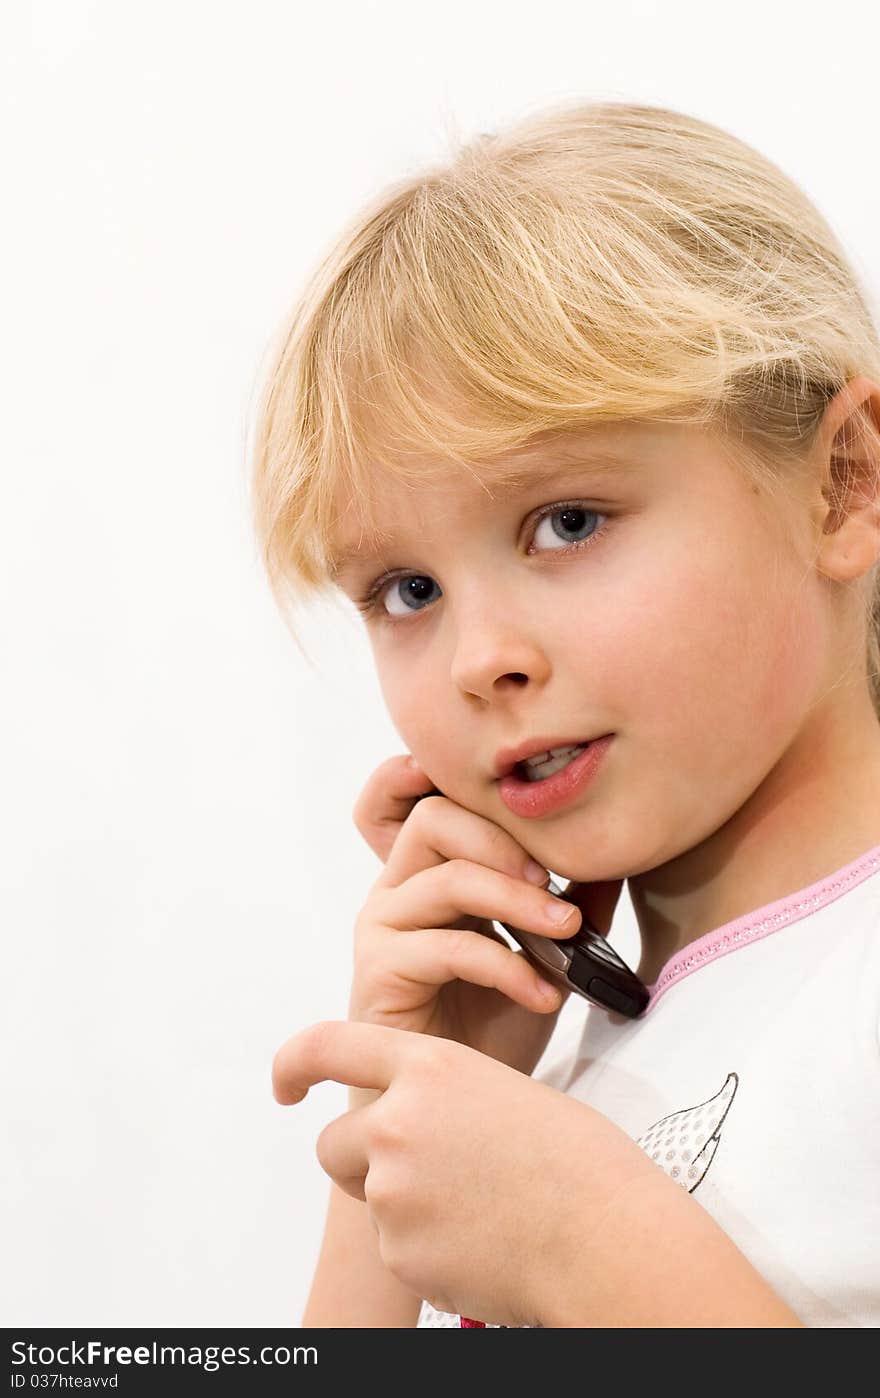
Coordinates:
x,y
593,463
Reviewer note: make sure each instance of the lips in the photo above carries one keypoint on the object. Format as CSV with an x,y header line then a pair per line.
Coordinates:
x,y
533,800
506,759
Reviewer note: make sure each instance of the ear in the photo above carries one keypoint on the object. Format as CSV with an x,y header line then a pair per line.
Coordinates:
x,y
848,460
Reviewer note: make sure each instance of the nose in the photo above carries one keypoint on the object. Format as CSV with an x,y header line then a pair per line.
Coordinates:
x,y
496,649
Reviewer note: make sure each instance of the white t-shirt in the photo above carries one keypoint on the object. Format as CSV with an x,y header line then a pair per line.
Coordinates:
x,y
753,1080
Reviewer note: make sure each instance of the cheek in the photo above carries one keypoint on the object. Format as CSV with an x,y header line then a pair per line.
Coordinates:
x,y
790,664
728,674
418,719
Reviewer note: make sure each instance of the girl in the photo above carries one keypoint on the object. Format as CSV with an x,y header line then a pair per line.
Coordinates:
x,y
586,422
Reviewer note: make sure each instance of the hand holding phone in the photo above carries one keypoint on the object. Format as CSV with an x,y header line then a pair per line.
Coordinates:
x,y
586,964
427,957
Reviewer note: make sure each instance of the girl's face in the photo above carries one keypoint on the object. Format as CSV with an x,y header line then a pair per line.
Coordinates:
x,y
657,599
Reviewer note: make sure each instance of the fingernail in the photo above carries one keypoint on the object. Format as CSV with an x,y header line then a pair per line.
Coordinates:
x,y
559,912
411,762
535,873
549,992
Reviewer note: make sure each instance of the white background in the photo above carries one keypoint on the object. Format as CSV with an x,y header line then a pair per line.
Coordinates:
x,y
178,865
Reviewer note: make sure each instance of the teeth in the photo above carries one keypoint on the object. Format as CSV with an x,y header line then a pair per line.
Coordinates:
x,y
540,757
546,763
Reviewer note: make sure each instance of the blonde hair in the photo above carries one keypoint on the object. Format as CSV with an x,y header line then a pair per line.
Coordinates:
x,y
592,263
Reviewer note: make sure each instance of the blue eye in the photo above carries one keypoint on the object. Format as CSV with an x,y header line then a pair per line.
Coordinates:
x,y
403,588
572,517
412,587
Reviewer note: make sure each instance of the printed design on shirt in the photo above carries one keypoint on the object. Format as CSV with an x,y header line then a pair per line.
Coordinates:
x,y
684,1144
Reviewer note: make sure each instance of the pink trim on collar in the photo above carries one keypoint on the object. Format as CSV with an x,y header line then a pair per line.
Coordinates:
x,y
761,922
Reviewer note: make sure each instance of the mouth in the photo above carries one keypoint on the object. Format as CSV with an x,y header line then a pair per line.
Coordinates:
x,y
538,769
533,789
541,758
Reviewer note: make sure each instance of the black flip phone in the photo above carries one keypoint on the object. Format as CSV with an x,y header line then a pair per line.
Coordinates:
x,y
584,963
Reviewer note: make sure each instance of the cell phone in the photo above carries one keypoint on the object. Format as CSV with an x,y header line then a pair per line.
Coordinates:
x,y
584,963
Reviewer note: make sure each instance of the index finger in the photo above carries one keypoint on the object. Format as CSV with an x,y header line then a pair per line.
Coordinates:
x,y
343,1051
386,800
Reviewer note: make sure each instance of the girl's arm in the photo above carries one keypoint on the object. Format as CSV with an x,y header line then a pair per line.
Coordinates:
x,y
658,1259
